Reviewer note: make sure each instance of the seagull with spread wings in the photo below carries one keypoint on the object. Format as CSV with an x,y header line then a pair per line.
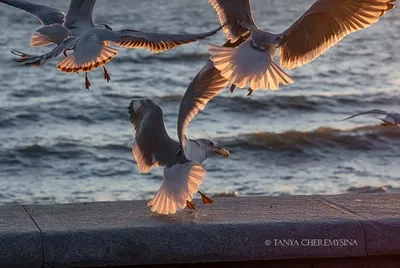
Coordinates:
x,y
183,169
392,119
324,24
56,25
90,42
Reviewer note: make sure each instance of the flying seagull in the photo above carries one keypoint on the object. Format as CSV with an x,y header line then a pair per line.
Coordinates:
x,y
319,28
153,147
89,41
91,49
56,25
389,119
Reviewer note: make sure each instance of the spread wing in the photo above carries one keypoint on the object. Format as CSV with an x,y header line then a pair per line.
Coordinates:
x,y
152,145
158,42
231,14
38,60
80,13
326,23
207,84
46,15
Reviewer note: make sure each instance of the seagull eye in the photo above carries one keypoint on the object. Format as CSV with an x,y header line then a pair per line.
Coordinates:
x,y
211,143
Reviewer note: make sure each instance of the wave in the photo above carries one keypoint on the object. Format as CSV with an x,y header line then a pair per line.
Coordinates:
x,y
310,103
113,107
361,138
70,150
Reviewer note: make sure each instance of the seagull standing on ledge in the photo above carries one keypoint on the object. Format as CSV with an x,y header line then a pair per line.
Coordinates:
x,y
153,147
319,28
392,119
90,42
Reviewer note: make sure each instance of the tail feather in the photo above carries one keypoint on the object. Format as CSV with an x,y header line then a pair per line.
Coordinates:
x,y
71,64
180,183
247,66
162,204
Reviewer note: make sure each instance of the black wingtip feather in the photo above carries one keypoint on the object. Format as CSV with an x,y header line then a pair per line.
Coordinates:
x,y
132,113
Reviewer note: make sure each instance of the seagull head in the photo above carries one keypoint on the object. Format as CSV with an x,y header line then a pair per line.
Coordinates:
x,y
211,149
200,149
106,26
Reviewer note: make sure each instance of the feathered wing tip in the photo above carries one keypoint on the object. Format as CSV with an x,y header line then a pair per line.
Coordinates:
x,y
180,183
38,40
144,163
70,64
246,66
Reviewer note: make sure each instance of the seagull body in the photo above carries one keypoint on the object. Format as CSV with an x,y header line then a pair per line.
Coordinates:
x,y
90,42
153,147
389,119
319,28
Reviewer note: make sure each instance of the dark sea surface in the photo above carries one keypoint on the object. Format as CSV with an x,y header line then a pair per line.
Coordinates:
x,y
62,143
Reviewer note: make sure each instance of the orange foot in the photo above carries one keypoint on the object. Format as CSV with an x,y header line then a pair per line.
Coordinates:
x,y
190,205
206,200
65,52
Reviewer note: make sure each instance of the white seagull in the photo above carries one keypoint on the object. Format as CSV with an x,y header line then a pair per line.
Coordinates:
x,y
319,28
56,25
392,119
90,42
153,147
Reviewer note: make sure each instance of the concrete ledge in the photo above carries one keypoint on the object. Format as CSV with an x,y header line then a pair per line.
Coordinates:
x,y
299,230
20,239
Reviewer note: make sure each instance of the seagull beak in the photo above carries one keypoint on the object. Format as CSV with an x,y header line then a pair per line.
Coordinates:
x,y
221,151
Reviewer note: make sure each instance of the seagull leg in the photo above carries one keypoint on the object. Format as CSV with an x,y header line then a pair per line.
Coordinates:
x,y
206,200
190,205
106,75
87,83
65,52
232,88
250,91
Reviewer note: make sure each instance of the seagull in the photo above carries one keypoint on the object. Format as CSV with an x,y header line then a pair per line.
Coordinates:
x,y
392,119
153,147
56,25
324,24
91,49
89,42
